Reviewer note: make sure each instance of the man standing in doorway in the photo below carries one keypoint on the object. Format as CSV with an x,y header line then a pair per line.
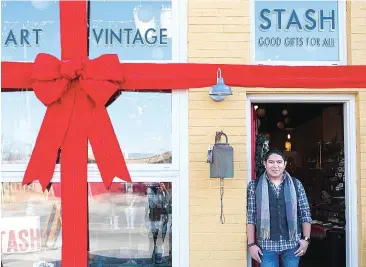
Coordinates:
x,y
278,212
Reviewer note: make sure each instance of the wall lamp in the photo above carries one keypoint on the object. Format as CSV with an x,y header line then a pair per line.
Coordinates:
x,y
220,90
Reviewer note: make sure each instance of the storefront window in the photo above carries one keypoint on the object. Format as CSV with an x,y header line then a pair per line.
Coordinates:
x,y
22,118
135,30
142,122
130,224
29,28
30,225
299,31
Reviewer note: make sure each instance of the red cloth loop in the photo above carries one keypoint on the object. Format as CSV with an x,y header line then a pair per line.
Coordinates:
x,y
71,87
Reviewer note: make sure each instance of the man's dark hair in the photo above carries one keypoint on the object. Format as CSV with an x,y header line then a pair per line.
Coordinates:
x,y
275,151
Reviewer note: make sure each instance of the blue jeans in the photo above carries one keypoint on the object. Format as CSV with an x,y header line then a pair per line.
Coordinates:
x,y
287,258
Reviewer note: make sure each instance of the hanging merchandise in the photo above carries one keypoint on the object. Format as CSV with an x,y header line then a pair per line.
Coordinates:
x,y
262,147
284,110
287,120
261,112
340,169
280,125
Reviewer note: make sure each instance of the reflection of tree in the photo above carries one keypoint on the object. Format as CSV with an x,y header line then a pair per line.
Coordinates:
x,y
142,122
161,158
18,143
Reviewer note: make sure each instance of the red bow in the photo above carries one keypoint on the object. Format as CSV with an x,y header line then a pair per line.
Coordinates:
x,y
79,90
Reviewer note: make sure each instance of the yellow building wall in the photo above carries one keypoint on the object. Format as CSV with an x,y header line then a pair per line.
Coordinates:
x,y
219,32
357,53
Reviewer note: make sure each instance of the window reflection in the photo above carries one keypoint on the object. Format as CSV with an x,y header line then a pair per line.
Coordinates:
x,y
142,122
30,225
135,30
29,28
23,115
130,224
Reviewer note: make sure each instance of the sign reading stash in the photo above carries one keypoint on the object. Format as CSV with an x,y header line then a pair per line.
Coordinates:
x,y
297,31
20,234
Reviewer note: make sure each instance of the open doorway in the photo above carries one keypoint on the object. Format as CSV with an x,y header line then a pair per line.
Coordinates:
x,y
315,137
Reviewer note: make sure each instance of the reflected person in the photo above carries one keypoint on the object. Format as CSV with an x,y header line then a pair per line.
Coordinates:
x,y
159,199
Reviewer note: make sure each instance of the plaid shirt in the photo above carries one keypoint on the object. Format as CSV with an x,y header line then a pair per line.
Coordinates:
x,y
303,208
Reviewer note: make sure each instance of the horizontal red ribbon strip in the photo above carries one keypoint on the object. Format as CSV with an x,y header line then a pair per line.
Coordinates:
x,y
190,75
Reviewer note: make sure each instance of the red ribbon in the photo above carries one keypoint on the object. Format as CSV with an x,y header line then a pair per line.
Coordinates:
x,y
61,86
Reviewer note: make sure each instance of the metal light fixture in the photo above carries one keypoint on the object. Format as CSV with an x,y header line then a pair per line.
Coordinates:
x,y
220,90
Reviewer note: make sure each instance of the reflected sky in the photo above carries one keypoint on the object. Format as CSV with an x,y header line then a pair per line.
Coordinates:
x,y
142,122
29,16
141,15
38,23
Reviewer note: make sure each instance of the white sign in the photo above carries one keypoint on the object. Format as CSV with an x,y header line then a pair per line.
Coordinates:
x,y
20,234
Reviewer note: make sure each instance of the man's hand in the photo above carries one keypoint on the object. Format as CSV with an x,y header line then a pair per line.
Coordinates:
x,y
255,253
302,249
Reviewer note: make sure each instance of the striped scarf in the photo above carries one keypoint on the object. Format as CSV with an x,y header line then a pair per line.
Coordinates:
x,y
262,203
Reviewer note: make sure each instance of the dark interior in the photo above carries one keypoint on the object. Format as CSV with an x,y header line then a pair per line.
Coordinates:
x,y
316,158
298,113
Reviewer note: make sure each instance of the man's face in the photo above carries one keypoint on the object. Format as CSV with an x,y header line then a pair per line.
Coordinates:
x,y
275,166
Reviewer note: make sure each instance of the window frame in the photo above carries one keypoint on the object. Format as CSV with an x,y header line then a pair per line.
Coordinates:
x,y
342,18
179,55
176,98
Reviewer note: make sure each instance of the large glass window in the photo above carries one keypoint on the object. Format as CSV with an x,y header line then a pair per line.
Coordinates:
x,y
29,28
130,224
22,115
30,225
137,30
142,122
